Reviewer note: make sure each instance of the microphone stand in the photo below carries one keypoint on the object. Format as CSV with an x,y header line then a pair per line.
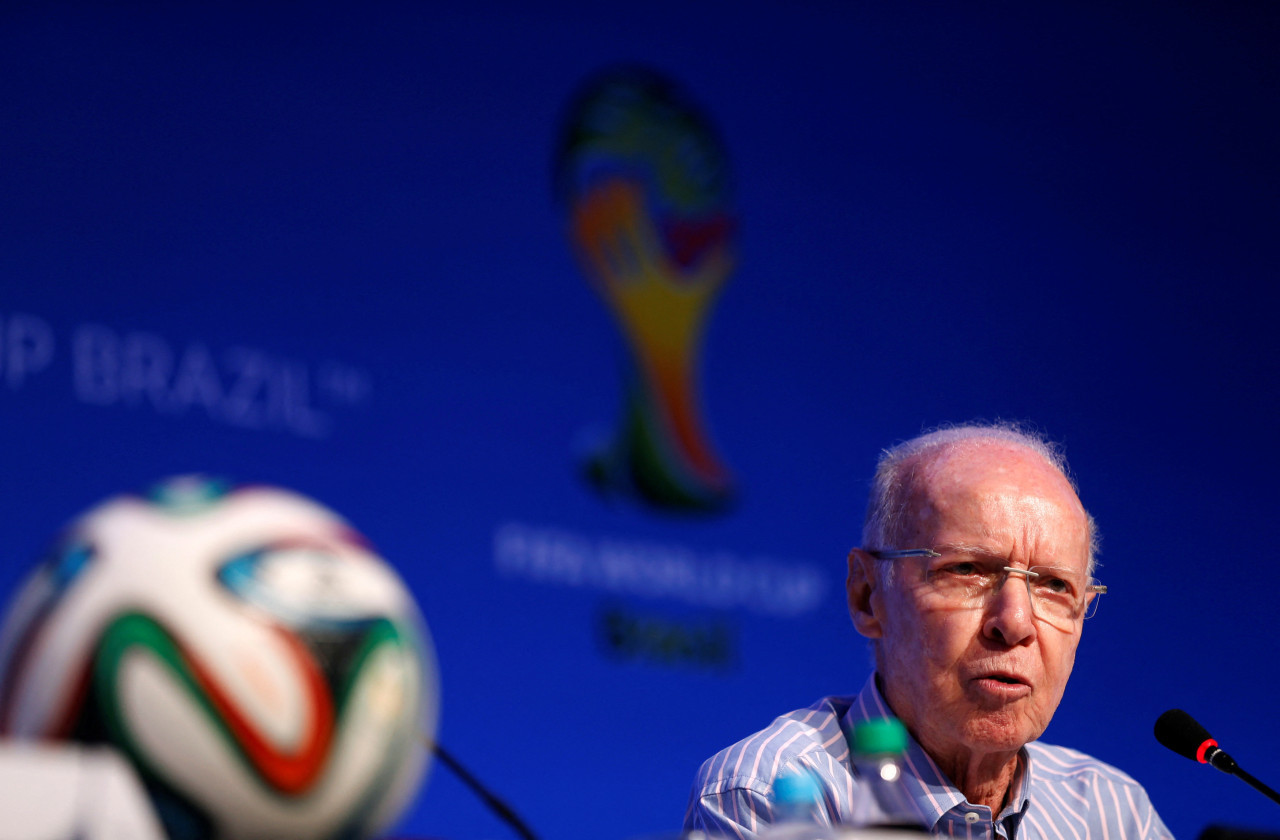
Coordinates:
x,y
1257,785
502,809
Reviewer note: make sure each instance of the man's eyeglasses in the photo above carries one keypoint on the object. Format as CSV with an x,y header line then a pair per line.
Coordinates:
x,y
1059,597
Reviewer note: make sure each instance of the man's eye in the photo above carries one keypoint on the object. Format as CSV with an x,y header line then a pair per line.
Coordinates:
x,y
961,569
1056,585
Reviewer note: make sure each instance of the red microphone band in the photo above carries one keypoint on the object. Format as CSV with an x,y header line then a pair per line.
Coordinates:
x,y
1203,748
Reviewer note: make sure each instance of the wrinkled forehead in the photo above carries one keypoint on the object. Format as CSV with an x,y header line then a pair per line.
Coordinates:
x,y
992,490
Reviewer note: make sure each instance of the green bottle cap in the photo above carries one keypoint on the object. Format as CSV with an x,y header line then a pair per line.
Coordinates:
x,y
880,736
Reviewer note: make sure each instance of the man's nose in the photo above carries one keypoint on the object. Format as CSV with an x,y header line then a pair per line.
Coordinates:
x,y
1010,616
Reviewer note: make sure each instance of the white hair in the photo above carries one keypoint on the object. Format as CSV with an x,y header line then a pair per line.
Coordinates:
x,y
888,520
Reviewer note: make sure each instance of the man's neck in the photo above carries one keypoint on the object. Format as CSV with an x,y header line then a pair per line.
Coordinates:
x,y
984,780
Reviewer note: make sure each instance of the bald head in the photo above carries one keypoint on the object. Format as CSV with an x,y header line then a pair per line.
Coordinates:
x,y
909,477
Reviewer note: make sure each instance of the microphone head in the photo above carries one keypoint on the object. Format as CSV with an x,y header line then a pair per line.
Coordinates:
x,y
1180,732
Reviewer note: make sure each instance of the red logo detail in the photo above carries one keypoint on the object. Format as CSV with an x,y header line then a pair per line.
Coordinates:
x,y
289,772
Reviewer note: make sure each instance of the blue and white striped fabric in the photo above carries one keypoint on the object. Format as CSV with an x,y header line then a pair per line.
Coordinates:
x,y
1058,794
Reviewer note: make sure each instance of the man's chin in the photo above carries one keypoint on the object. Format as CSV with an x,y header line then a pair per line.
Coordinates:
x,y
1003,730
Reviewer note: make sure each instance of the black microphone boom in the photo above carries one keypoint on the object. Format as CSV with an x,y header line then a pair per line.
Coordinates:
x,y
1180,732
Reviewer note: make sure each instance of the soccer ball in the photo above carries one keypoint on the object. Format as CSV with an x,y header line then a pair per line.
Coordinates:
x,y
267,673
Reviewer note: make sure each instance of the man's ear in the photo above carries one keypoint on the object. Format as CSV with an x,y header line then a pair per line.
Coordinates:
x,y
860,585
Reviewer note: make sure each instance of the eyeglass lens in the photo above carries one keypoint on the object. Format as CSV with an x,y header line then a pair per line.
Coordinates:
x,y
1057,596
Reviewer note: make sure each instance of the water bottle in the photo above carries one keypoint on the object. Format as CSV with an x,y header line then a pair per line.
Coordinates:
x,y
881,800
797,798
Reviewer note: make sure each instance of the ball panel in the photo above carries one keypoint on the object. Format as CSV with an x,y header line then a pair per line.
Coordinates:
x,y
264,668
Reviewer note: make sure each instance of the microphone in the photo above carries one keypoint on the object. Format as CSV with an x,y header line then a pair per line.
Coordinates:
x,y
1181,733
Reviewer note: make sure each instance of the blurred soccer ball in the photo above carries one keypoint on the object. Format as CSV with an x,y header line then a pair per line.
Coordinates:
x,y
266,672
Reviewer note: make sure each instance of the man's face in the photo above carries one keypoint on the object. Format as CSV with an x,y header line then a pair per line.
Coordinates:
x,y
977,681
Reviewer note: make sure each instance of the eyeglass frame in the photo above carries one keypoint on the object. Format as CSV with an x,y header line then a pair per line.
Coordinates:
x,y
1027,574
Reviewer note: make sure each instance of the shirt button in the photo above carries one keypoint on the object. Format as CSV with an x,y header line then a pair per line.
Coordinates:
x,y
972,817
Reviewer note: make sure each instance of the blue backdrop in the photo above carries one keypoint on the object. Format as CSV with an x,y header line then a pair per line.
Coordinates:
x,y
1062,212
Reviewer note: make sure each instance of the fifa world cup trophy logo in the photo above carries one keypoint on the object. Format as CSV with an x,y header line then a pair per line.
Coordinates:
x,y
643,178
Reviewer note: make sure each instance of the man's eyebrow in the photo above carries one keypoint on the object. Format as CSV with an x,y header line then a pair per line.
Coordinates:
x,y
971,550
990,555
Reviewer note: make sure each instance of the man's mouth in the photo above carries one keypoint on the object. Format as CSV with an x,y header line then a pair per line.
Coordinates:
x,y
1006,679
1002,683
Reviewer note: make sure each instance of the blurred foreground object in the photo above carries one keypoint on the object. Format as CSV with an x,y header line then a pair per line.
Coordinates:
x,y
51,792
265,671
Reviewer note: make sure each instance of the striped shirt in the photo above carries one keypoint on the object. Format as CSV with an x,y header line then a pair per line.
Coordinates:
x,y
1057,793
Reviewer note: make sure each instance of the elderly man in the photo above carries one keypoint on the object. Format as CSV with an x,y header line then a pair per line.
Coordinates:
x,y
972,584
